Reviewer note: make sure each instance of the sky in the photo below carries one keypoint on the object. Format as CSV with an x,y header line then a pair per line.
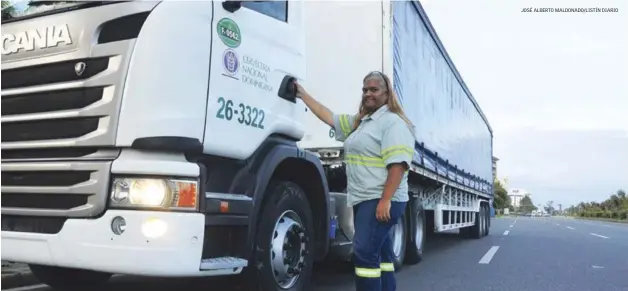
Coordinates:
x,y
554,86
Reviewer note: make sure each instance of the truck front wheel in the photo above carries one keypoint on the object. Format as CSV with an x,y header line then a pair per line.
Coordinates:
x,y
69,279
284,240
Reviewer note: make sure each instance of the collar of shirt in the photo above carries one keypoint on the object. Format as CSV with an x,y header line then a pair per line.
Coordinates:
x,y
375,115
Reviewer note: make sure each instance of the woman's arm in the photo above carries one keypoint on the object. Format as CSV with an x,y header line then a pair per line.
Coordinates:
x,y
395,174
397,150
323,113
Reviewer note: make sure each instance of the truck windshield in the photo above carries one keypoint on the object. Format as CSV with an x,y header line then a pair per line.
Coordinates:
x,y
21,9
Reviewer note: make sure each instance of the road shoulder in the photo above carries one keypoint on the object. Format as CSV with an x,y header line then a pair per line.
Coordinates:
x,y
602,220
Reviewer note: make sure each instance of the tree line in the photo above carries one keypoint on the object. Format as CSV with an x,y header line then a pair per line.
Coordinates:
x,y
615,207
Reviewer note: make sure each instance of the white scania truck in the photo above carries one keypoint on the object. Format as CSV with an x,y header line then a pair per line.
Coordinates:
x,y
156,138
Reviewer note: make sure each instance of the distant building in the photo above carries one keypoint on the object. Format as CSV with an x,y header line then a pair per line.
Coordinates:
x,y
516,195
495,159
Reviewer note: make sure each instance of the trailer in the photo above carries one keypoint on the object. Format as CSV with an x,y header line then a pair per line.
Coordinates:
x,y
155,138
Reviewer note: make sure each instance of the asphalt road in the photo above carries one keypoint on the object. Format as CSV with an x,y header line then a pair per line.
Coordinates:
x,y
531,254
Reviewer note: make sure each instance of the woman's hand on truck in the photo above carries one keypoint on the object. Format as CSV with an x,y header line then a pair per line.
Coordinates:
x,y
323,113
300,91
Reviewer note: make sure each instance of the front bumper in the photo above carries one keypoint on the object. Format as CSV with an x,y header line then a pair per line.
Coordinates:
x,y
91,244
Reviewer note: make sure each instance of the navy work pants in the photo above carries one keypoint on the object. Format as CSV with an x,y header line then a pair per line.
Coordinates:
x,y
372,247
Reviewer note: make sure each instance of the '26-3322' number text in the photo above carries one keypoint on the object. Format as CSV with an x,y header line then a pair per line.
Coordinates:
x,y
250,116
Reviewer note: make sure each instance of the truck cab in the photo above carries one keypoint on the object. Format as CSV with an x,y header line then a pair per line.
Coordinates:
x,y
150,138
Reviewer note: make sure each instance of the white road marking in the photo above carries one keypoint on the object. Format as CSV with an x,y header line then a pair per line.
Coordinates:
x,y
558,224
506,232
595,234
570,227
489,255
597,267
31,287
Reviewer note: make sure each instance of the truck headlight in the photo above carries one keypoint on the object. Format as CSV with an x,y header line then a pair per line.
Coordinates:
x,y
149,192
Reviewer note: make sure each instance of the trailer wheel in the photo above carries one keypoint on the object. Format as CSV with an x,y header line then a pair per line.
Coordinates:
x,y
398,236
69,279
477,230
284,240
417,233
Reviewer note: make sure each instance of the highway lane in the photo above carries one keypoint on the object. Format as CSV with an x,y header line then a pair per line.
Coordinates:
x,y
615,233
520,254
556,254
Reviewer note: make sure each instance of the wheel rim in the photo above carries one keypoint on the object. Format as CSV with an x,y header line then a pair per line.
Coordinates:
x,y
398,238
288,249
418,236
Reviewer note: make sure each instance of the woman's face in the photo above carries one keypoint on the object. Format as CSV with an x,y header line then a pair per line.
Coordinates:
x,y
373,94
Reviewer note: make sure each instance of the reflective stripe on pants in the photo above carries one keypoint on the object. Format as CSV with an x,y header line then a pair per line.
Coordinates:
x,y
387,267
368,273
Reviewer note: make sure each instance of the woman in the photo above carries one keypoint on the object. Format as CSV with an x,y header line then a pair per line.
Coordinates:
x,y
379,145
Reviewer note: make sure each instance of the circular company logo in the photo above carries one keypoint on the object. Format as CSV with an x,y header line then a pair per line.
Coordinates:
x,y
230,62
229,32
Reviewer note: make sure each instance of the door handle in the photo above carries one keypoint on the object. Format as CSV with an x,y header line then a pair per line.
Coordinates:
x,y
287,89
232,6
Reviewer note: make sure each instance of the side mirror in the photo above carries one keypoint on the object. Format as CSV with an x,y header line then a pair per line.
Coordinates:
x,y
232,6
287,89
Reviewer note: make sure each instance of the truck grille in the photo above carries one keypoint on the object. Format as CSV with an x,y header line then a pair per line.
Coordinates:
x,y
60,109
71,103
56,140
55,189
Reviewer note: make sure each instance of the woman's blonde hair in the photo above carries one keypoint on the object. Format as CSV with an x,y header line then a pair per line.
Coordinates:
x,y
392,101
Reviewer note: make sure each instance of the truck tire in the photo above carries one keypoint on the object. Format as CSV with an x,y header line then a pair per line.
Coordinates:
x,y
487,217
284,240
417,232
477,230
398,237
69,279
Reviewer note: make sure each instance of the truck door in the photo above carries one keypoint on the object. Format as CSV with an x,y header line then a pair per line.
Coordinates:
x,y
253,48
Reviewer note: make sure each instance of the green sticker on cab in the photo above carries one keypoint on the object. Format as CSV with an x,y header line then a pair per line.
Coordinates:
x,y
229,32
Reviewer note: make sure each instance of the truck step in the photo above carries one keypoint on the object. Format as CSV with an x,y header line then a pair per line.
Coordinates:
x,y
223,263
